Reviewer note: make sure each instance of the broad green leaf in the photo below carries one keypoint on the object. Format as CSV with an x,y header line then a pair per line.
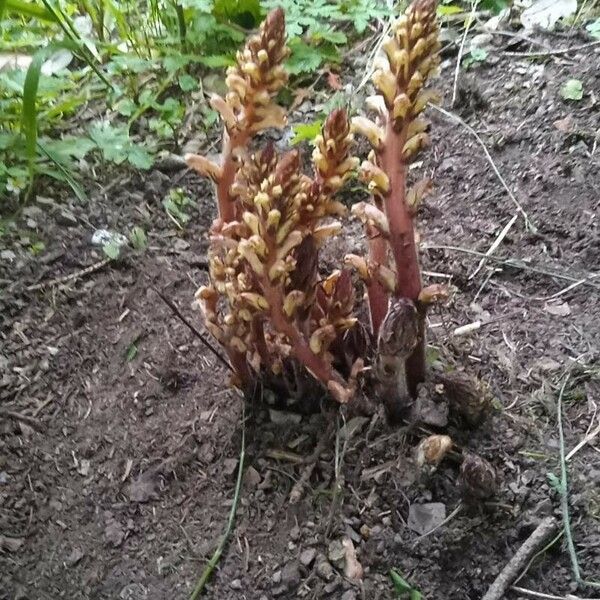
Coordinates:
x,y
594,28
306,132
140,158
187,83
112,249
572,90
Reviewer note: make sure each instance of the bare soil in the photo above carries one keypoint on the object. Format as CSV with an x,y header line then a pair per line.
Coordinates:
x,y
117,480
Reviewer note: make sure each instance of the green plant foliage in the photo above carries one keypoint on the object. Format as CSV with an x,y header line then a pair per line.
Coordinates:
x,y
593,28
139,68
572,90
402,588
306,133
177,204
138,238
116,145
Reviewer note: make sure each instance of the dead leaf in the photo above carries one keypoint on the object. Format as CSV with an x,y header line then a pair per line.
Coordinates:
x,y
251,478
558,309
333,80
300,95
352,569
10,544
565,125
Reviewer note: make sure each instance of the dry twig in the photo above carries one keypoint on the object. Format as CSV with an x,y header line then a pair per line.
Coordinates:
x,y
458,120
543,531
69,278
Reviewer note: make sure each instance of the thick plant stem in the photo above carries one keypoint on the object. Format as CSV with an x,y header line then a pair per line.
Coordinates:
x,y
402,234
403,246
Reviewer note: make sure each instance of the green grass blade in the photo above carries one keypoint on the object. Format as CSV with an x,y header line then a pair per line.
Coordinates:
x,y
26,9
29,110
77,190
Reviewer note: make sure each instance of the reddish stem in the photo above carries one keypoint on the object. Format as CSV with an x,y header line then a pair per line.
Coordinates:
x,y
402,234
402,243
226,204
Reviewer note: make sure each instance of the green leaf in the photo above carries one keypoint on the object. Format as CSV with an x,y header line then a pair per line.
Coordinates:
x,y
452,9
138,238
139,157
125,107
217,61
29,125
572,90
187,83
401,586
131,353
304,58
112,249
478,54
174,62
415,595
306,132
555,483
27,9
594,28
245,13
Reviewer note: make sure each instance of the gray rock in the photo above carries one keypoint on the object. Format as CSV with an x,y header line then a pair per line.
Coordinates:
x,y
290,575
425,517
349,595
307,556
236,584
324,570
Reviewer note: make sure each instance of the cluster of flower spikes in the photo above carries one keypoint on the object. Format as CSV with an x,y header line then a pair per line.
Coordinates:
x,y
265,303
400,133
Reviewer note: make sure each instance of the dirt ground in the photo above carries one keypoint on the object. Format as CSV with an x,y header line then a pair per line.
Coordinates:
x,y
117,480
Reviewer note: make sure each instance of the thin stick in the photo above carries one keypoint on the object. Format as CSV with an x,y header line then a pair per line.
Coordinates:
x,y
68,278
458,120
546,596
212,563
515,565
564,483
517,263
495,245
461,48
180,316
444,522
586,440
553,52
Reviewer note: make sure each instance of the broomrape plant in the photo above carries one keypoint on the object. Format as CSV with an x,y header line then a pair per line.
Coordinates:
x,y
266,304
